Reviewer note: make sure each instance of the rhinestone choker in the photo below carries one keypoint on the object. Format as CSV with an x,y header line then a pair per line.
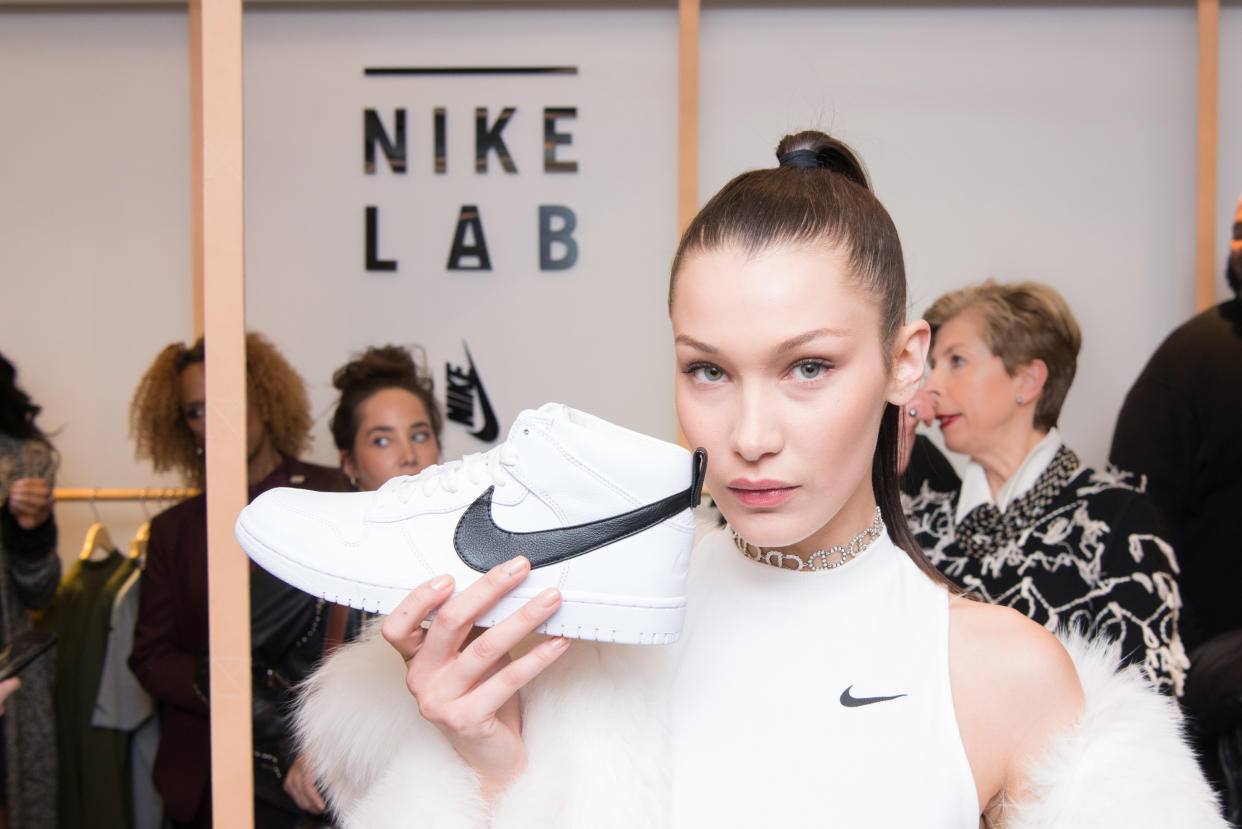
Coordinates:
x,y
819,560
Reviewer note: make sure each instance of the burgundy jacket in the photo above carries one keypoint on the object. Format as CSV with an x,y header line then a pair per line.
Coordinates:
x,y
170,637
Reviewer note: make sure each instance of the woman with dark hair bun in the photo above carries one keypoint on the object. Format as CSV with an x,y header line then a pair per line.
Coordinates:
x,y
29,575
386,423
827,674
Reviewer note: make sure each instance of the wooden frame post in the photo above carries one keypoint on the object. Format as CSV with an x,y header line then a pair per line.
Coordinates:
x,y
687,113
218,75
1209,83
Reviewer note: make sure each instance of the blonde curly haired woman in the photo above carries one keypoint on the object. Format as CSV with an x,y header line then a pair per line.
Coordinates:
x,y
288,628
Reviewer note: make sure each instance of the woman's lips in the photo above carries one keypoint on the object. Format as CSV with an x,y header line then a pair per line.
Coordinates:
x,y
761,493
945,420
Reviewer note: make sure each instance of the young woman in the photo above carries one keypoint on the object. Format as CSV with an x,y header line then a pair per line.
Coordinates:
x,y
168,422
827,675
385,424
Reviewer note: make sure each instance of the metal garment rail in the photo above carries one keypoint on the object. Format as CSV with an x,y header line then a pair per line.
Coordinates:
x,y
151,494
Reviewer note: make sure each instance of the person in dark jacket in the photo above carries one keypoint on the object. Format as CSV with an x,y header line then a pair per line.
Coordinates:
x,y
1178,428
288,627
30,575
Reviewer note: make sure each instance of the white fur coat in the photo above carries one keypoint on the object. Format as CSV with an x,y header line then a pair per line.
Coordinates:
x,y
596,738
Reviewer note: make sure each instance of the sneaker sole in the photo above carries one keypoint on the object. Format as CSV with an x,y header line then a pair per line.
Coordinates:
x,y
627,620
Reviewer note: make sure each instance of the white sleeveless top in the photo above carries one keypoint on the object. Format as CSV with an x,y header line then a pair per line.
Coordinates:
x,y
761,732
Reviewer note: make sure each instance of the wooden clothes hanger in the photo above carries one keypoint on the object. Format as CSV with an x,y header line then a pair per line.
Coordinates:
x,y
98,545
138,544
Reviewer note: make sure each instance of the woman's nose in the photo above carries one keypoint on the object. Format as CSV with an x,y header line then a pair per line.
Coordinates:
x,y
756,432
408,456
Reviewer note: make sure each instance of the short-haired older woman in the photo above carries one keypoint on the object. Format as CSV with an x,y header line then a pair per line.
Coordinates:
x,y
1028,525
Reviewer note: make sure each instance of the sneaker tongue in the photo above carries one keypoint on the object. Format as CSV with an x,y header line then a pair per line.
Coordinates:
x,y
554,410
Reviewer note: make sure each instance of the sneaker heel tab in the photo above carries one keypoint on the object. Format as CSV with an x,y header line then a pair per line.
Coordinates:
x,y
697,471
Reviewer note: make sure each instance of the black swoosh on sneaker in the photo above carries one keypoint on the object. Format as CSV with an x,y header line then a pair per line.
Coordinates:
x,y
482,545
851,701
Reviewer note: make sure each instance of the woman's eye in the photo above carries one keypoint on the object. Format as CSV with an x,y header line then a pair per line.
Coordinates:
x,y
420,437
706,373
956,361
381,442
195,413
811,370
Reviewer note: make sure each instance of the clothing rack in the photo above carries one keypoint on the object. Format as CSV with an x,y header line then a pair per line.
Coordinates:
x,y
99,494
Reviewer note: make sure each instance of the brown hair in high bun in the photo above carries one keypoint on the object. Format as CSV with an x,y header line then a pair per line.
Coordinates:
x,y
819,196
378,368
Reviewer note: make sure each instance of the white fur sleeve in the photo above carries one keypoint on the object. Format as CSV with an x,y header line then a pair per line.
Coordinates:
x,y
593,725
1125,764
378,761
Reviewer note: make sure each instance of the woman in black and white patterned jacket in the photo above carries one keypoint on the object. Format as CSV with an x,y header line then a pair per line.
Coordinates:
x,y
1028,525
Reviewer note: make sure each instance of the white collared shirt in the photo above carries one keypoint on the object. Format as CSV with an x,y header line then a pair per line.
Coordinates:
x,y
975,489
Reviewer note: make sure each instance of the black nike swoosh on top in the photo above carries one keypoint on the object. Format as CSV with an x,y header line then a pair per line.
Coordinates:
x,y
851,701
482,545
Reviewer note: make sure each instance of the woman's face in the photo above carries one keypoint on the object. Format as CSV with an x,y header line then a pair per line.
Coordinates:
x,y
782,377
394,438
192,389
976,398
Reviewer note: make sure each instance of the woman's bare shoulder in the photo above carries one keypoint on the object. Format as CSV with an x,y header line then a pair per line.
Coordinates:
x,y
1014,686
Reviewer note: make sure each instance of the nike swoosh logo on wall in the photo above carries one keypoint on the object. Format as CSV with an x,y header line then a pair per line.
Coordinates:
x,y
482,545
490,429
851,701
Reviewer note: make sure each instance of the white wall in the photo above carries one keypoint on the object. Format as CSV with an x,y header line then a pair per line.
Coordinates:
x,y
1043,143
94,230
1018,143
595,336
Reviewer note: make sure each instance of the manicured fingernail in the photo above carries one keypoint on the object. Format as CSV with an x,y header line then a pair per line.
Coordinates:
x,y
441,583
516,566
549,597
558,643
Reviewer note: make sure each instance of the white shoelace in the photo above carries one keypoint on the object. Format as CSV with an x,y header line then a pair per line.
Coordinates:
x,y
477,468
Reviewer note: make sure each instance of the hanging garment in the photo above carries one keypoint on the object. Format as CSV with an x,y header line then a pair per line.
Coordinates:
x,y
94,762
124,705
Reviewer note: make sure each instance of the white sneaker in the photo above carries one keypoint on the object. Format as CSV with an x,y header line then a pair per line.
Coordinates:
x,y
601,512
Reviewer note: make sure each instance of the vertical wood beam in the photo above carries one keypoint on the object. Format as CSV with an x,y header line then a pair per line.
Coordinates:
x,y
1209,83
228,571
687,113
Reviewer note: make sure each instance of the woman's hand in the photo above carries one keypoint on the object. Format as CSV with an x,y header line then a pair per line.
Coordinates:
x,y
30,501
7,688
920,409
299,784
470,693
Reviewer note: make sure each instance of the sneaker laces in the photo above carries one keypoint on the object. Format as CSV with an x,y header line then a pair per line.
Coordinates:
x,y
474,469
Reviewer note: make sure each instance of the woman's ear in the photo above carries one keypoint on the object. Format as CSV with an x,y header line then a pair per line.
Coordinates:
x,y
348,466
909,360
1031,378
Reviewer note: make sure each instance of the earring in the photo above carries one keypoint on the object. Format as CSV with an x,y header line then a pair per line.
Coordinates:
x,y
198,450
1019,401
353,482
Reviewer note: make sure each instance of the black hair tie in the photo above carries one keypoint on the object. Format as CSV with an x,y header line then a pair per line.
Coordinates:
x,y
800,158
